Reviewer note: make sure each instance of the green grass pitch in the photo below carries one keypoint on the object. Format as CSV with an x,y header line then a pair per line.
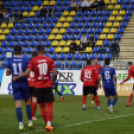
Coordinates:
x,y
70,119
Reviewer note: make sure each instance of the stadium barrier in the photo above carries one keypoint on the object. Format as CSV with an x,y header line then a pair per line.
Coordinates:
x,y
73,86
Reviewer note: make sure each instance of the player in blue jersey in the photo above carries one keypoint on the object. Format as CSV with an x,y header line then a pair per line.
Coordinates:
x,y
56,84
15,67
109,84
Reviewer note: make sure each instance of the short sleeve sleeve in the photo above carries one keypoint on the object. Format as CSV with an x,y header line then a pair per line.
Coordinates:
x,y
8,65
30,65
52,64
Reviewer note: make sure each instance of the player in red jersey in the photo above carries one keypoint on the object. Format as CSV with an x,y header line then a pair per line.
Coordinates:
x,y
130,73
89,77
31,82
97,70
42,66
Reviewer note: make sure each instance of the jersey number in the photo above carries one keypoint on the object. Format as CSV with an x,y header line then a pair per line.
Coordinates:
x,y
87,74
43,68
15,71
107,75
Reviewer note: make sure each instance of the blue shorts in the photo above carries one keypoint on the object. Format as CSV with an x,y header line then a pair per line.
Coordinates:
x,y
110,92
55,86
21,91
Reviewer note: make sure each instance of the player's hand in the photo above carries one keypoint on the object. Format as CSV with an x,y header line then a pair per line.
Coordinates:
x,y
14,78
66,79
52,82
99,85
121,83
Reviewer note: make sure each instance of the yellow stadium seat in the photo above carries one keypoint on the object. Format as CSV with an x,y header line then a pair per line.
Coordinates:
x,y
25,14
110,36
58,50
114,12
68,43
10,25
45,3
3,25
65,50
110,7
55,31
54,43
40,8
65,13
6,31
52,3
106,2
116,24
51,37
113,30
0,31
35,8
113,2
59,25
102,36
88,49
69,19
58,37
111,18
62,19
119,18
78,42
117,7
31,14
66,24
62,30
2,37
105,30
99,42
108,24
72,13
62,43
122,12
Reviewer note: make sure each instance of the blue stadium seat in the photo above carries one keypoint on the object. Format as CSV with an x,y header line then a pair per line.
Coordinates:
x,y
127,1
48,31
58,14
33,43
41,19
65,37
47,43
26,43
96,49
19,43
30,25
83,19
98,31
55,19
12,3
37,37
108,13
77,56
76,19
131,7
28,20
94,24
15,9
132,1
52,25
4,44
22,9
92,56
104,19
120,30
33,3
80,64
40,42
76,31
62,68
79,13
54,56
4,62
34,20
55,8
100,13
37,14
90,19
9,37
73,63
11,44
59,3
48,55
66,63
26,3
106,43
45,25
93,13
58,63
86,13
126,18
39,3
103,50
37,25
29,50
62,56
41,31
84,31
69,56
73,37
48,19
30,37
17,25
20,31
68,8
6,3
77,68
44,37
84,56
97,18
87,36
80,25
24,25
124,7
87,25
102,24
70,68
123,24
28,8
73,25
34,31
65,3
69,31
13,31
117,37
62,8
2,56
79,36
25,56
23,37
100,56
129,12
1,49
108,56
120,2
27,31
91,30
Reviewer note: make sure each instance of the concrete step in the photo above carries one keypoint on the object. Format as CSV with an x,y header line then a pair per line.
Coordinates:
x,y
131,22
127,47
126,41
129,28
128,35
127,54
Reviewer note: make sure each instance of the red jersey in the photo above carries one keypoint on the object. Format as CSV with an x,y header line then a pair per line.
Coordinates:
x,y
41,67
130,73
88,76
31,79
97,69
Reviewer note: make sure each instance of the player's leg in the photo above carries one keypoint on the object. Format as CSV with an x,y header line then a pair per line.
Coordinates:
x,y
130,97
43,111
93,99
85,93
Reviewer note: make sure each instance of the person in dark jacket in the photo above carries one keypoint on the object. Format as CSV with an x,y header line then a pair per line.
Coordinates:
x,y
96,4
50,12
91,40
102,4
43,12
115,48
1,17
73,46
19,17
2,5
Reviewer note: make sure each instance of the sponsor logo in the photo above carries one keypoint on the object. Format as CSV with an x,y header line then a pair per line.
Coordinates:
x,y
68,75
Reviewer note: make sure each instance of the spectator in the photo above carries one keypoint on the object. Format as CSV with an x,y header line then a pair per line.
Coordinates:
x,y
14,17
82,5
20,17
91,40
115,48
43,12
102,4
73,46
80,48
1,17
88,4
84,41
2,5
6,17
50,12
96,4
73,5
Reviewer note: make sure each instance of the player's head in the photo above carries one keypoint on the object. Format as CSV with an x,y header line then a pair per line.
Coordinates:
x,y
95,61
17,50
34,54
114,41
89,62
130,64
40,49
107,61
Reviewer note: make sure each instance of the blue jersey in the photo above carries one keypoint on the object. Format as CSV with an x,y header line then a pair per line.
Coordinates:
x,y
51,75
18,65
107,74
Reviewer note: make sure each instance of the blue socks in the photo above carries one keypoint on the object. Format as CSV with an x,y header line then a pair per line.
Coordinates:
x,y
114,101
59,93
19,114
29,112
109,102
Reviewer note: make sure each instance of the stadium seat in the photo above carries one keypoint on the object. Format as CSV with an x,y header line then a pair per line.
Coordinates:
x,y
120,2
94,24
48,31
4,62
76,19
62,19
47,43
126,18
48,19
55,8
102,36
13,31
69,19
19,43
54,43
110,36
72,13
48,55
6,31
37,37
58,25
84,56
116,24
108,56
68,43
105,30
55,31
52,25
25,14
44,37
73,63
73,37
58,50
24,25
119,18
106,43
23,37
86,13
122,12
127,1
84,31
98,31
110,7
54,56
58,37
2,56
20,31
99,43
131,7
58,14
15,9
90,19
92,56
61,8
40,42
103,50
45,25
62,31
102,24
34,20
88,49
83,19
29,50
73,25
108,13
123,24
11,44
111,18
62,56
39,3
79,13
65,50
41,31
33,3
108,24
117,37
30,37
4,44
129,12
124,7
51,50
28,8
93,13
113,30
100,13
65,25
104,19
96,49
120,30
79,36
65,13
30,25
65,37
97,18
33,44
77,56
70,68
80,25
69,56
8,37
100,56
87,25
26,43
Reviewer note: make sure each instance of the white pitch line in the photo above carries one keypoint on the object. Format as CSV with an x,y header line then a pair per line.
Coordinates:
x,y
75,124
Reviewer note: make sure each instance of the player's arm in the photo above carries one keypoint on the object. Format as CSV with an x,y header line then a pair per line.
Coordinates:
x,y
8,72
81,77
54,75
62,76
115,80
128,77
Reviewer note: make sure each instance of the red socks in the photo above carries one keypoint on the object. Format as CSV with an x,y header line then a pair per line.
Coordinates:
x,y
97,101
34,108
93,98
43,112
49,113
130,98
84,99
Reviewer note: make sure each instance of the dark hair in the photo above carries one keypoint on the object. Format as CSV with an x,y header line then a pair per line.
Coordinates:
x,y
114,40
17,49
130,63
89,62
107,61
34,54
40,48
95,58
